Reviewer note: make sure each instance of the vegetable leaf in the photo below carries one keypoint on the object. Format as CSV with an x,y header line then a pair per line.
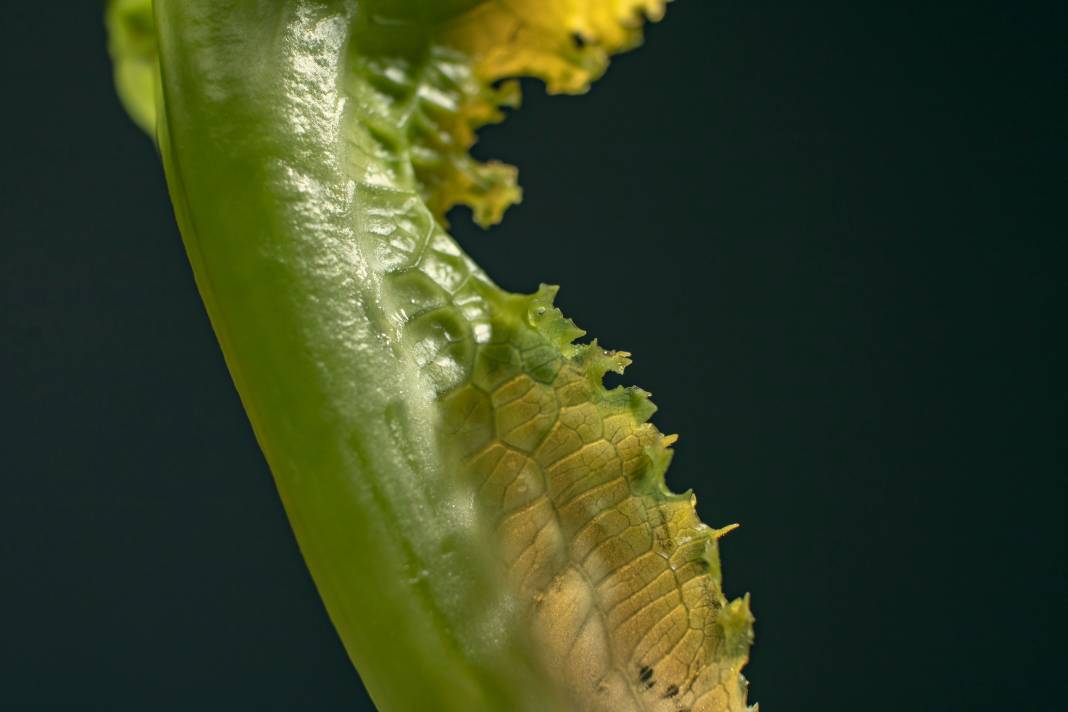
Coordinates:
x,y
488,524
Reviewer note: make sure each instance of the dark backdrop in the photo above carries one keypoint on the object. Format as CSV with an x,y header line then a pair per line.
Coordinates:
x,y
831,235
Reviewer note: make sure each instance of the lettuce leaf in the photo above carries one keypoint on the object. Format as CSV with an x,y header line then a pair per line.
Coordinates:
x,y
488,525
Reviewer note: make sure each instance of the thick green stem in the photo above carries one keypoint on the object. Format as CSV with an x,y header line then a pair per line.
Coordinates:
x,y
255,146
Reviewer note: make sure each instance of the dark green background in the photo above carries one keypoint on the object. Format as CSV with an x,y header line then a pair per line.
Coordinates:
x,y
833,238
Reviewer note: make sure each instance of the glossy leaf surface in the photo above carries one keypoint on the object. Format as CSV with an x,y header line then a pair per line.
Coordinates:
x,y
487,524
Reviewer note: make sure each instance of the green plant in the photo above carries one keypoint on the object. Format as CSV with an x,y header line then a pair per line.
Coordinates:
x,y
487,524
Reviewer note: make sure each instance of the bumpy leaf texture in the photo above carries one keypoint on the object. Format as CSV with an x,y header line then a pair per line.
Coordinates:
x,y
434,438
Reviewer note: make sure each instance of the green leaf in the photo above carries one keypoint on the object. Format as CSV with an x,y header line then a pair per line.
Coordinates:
x,y
132,45
487,524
